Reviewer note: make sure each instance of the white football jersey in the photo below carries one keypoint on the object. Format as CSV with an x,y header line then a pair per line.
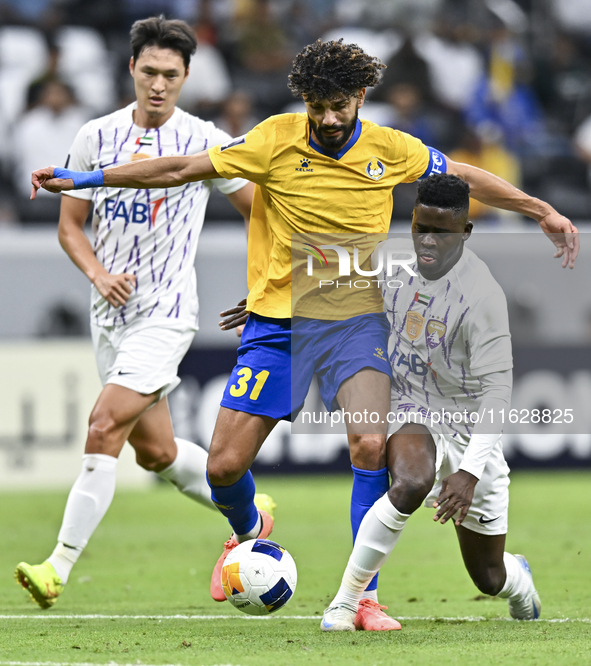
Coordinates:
x,y
150,233
444,334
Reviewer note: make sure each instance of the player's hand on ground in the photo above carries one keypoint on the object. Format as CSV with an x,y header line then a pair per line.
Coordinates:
x,y
564,235
44,178
234,318
115,288
457,491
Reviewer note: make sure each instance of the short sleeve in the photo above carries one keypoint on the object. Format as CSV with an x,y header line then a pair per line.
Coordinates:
x,y
437,163
489,336
247,156
417,158
80,158
216,138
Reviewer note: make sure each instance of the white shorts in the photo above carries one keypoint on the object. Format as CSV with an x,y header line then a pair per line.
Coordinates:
x,y
143,356
490,505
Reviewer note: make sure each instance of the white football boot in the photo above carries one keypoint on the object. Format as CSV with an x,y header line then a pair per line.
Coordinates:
x,y
338,618
528,606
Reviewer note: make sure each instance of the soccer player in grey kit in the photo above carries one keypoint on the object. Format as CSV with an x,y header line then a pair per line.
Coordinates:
x,y
450,352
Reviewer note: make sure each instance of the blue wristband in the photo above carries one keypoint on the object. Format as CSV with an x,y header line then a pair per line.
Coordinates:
x,y
82,179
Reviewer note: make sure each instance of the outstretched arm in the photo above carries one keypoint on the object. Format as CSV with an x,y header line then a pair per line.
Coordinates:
x,y
494,191
157,172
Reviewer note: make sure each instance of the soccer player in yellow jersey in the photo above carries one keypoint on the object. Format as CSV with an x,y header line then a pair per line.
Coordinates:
x,y
323,171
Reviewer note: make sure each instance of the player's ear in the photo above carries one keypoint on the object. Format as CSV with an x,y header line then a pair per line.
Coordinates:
x,y
467,230
131,65
361,98
187,73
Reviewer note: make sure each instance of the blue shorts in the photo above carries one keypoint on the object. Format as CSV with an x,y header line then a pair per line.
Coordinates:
x,y
335,351
276,364
261,383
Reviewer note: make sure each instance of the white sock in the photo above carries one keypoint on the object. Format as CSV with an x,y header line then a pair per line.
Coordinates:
x,y
253,534
517,582
378,534
187,472
89,499
63,559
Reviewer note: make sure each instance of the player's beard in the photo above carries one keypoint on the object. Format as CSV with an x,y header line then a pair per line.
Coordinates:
x,y
334,143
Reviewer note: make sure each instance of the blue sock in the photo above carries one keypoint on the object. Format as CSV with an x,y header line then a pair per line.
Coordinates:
x,y
236,502
368,487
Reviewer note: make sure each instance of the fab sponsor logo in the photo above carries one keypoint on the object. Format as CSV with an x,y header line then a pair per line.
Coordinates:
x,y
136,213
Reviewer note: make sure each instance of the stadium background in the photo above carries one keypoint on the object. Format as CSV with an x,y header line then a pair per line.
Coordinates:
x,y
502,84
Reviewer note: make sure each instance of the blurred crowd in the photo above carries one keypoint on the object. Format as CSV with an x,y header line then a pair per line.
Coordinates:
x,y
501,84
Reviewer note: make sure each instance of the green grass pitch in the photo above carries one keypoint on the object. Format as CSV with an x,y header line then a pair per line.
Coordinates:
x,y
152,556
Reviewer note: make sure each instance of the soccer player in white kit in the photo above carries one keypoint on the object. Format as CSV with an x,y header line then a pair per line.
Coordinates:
x,y
144,304
450,351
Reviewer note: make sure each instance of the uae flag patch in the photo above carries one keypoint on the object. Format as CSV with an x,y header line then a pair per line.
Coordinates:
x,y
422,299
144,140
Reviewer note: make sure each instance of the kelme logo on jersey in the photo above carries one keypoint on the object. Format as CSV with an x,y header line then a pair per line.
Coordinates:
x,y
379,353
305,165
375,169
136,213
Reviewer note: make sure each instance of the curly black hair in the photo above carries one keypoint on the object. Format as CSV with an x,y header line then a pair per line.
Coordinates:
x,y
164,33
325,69
444,191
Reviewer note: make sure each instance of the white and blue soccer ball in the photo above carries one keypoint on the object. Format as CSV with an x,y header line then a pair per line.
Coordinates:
x,y
259,577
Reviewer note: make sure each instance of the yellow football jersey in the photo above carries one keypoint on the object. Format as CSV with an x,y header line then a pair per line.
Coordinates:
x,y
304,189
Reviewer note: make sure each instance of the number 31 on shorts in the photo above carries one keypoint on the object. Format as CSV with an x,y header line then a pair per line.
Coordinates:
x,y
245,375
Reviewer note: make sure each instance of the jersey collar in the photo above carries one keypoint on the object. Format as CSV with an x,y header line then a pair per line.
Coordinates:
x,y
133,106
337,156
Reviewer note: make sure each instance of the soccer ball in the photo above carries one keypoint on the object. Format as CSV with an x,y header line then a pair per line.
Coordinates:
x,y
259,577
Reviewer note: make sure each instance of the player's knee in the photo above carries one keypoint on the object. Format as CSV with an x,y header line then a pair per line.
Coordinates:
x,y
102,430
225,471
409,493
368,451
489,581
154,460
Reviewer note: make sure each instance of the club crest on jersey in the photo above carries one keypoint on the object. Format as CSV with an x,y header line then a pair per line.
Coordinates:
x,y
434,332
375,169
414,324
